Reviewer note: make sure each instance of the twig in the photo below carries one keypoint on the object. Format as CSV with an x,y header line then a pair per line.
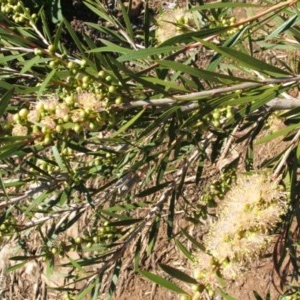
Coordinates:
x,y
286,155
42,187
265,12
283,103
39,33
183,99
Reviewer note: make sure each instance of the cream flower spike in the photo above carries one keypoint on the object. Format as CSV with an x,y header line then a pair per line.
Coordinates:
x,y
248,212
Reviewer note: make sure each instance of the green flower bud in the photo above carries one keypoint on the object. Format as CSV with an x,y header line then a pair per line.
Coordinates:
x,y
23,113
51,49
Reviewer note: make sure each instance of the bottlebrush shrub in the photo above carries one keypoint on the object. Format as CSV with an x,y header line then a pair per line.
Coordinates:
x,y
242,231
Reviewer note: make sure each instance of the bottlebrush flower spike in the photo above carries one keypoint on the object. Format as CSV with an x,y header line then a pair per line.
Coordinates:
x,y
246,215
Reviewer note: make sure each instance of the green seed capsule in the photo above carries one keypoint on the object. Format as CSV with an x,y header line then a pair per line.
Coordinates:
x,y
59,129
119,100
71,65
85,79
54,250
77,127
101,74
38,52
78,240
51,49
111,89
23,113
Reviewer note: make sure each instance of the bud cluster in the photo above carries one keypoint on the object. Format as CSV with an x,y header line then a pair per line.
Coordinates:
x,y
223,21
16,10
173,22
59,118
101,236
71,112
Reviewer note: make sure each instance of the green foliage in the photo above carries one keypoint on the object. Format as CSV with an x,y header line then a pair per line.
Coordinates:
x,y
102,134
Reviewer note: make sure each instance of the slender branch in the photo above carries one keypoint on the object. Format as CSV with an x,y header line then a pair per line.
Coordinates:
x,y
283,103
176,99
39,33
42,187
286,155
265,12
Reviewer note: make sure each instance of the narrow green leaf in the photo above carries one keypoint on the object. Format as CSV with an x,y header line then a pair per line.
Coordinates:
x,y
163,282
285,26
2,186
194,242
16,266
85,291
46,81
155,124
8,58
298,152
36,202
45,26
178,274
277,133
137,255
152,190
225,295
203,74
257,296
9,150
58,33
145,53
153,234
253,63
125,222
247,60
166,84
128,124
171,214
126,19
110,32
11,139
191,36
183,249
110,47
147,24
58,158
102,14
76,265
5,100
23,257
74,36
29,63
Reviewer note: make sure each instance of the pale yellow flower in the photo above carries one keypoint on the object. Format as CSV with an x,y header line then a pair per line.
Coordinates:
x,y
88,101
19,130
246,215
62,109
33,116
48,122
